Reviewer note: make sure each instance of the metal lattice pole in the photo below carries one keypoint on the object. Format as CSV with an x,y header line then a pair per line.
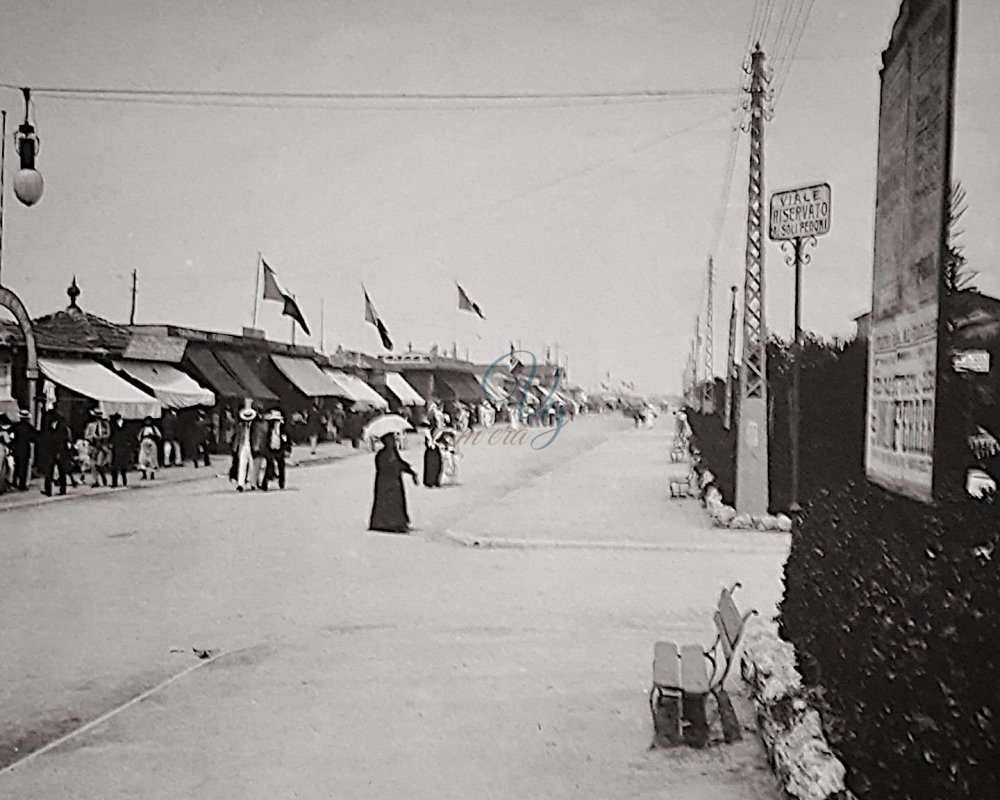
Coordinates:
x,y
752,435
708,389
732,373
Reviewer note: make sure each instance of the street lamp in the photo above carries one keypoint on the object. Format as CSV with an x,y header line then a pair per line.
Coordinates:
x,y
28,182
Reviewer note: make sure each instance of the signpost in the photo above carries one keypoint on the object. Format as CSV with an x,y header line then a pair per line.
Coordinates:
x,y
797,217
906,362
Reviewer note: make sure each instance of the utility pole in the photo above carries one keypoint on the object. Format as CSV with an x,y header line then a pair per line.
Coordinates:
x,y
135,284
731,366
752,495
708,389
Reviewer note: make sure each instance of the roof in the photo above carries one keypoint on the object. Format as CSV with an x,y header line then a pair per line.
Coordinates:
x,y
74,330
148,347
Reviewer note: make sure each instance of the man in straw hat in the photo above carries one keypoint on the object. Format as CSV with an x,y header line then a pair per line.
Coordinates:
x,y
276,446
242,453
98,437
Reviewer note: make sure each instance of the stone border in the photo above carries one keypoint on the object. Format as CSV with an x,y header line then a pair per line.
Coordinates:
x,y
789,727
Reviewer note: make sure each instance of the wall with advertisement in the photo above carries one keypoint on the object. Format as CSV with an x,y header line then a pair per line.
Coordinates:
x,y
914,174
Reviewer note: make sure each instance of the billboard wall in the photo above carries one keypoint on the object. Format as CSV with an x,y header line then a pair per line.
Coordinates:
x,y
914,154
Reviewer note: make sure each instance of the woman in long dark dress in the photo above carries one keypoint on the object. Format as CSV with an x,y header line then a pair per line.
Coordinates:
x,y
389,509
432,456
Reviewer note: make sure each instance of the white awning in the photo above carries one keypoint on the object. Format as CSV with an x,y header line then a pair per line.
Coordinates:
x,y
306,376
407,395
172,387
114,395
356,390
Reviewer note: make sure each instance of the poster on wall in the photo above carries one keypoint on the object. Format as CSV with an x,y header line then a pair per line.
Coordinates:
x,y
913,178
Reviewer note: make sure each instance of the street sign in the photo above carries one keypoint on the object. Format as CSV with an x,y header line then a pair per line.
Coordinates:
x,y
801,212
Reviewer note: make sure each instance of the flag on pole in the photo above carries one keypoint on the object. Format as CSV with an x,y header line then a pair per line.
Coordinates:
x,y
273,291
465,303
292,310
371,315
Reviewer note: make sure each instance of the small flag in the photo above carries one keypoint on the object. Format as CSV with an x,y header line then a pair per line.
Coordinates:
x,y
371,315
465,303
271,289
292,310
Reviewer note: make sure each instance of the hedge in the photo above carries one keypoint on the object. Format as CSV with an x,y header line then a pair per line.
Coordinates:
x,y
893,609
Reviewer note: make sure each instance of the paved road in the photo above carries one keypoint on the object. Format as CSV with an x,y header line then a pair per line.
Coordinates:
x,y
358,665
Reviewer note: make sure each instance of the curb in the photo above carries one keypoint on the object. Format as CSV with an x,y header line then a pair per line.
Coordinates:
x,y
37,501
790,728
501,543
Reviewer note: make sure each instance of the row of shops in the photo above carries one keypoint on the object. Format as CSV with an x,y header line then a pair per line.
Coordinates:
x,y
86,362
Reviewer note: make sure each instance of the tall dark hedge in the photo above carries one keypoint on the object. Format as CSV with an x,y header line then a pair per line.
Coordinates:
x,y
894,609
718,449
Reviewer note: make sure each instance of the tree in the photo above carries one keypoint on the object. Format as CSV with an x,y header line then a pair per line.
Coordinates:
x,y
957,275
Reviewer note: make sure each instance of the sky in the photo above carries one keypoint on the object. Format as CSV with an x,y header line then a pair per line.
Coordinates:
x,y
582,225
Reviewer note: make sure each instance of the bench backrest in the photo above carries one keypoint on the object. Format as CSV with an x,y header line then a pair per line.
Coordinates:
x,y
728,622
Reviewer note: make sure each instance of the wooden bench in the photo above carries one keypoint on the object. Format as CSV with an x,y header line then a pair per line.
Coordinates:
x,y
684,676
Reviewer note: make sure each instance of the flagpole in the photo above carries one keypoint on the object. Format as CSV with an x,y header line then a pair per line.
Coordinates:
x,y
322,330
256,291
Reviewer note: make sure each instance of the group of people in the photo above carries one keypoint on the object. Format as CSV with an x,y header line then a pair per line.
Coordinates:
x,y
443,427
103,454
259,447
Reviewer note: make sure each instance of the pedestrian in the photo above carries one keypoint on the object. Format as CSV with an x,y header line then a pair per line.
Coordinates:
x,y
258,449
199,439
242,451
25,438
389,512
278,444
98,437
432,456
448,445
53,451
121,450
171,444
149,449
339,419
314,425
6,460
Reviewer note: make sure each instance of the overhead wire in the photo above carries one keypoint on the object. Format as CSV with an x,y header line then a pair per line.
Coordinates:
x,y
212,96
794,48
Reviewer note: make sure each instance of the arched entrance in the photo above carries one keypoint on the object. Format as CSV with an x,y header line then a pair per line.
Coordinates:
x,y
13,303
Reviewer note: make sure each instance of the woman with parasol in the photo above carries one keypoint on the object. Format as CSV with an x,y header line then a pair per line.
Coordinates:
x,y
389,512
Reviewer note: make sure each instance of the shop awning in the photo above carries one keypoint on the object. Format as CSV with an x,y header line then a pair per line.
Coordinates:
x,y
362,392
465,387
247,375
343,385
171,387
114,395
495,389
407,395
216,375
306,376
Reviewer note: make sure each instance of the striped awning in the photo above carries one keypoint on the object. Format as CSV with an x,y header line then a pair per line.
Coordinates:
x,y
406,394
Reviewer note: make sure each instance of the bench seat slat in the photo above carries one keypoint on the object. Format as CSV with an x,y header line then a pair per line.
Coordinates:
x,y
694,670
666,665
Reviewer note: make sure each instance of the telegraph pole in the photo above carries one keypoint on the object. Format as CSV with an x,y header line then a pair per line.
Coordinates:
x,y
731,366
708,390
752,496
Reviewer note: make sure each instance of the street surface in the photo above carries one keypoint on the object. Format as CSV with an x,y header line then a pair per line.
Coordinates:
x,y
501,651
